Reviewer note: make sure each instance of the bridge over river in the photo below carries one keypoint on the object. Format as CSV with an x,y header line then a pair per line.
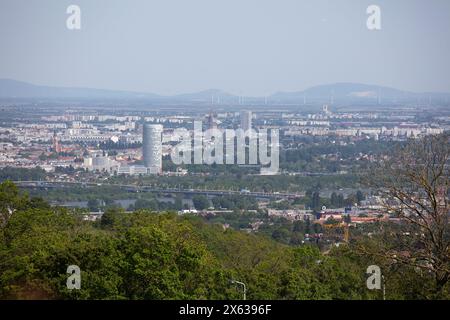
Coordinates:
x,y
143,188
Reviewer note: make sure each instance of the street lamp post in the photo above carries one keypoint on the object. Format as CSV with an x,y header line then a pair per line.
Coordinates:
x,y
244,287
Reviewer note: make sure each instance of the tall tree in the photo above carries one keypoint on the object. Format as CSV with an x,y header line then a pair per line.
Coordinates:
x,y
10,201
200,202
315,201
415,186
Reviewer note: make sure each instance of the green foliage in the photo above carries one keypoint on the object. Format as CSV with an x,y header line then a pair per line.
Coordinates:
x,y
233,202
147,255
200,202
22,174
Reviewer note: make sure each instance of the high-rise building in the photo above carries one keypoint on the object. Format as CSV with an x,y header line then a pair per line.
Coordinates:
x,y
246,120
56,145
211,119
152,147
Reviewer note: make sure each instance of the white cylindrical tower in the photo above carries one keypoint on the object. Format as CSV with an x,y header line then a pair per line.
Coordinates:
x,y
152,147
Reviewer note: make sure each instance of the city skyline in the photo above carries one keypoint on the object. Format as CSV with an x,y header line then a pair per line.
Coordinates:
x,y
239,152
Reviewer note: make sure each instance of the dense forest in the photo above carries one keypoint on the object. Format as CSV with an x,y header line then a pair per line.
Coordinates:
x,y
22,174
148,255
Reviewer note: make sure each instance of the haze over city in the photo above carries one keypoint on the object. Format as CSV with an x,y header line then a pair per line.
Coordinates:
x,y
225,155
252,48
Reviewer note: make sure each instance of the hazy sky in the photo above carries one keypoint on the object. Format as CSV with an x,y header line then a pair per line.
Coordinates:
x,y
251,47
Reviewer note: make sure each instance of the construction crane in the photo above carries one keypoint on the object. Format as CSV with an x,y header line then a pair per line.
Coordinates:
x,y
343,225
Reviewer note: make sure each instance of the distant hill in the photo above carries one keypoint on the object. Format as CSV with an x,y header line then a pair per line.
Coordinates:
x,y
18,89
355,92
214,95
330,93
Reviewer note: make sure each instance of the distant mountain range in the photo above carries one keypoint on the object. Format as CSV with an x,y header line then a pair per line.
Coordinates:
x,y
18,89
356,92
331,93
